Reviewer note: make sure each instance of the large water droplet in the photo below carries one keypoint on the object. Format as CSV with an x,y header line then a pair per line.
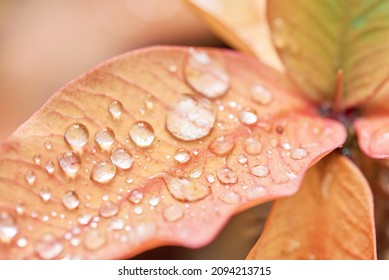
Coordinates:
x,y
77,135
248,116
222,145
190,118
206,75
135,196
252,146
45,194
261,95
95,239
142,133
30,177
182,155
260,170
229,197
109,209
185,189
105,137
50,167
122,158
173,213
8,228
103,172
48,247
226,175
70,163
70,200
298,154
116,109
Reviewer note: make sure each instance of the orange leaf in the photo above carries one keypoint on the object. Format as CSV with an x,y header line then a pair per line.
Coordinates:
x,y
129,157
243,24
331,217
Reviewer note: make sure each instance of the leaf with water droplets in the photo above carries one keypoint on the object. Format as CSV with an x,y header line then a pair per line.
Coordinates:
x,y
242,24
330,217
134,156
320,37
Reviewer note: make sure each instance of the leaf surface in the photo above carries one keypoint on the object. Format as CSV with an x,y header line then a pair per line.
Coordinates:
x,y
330,217
185,163
318,38
242,24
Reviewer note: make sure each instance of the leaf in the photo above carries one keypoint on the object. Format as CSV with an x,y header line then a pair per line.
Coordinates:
x,y
242,24
331,217
320,37
188,163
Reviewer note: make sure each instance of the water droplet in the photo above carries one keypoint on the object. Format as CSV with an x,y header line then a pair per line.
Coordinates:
x,y
103,172
260,170
379,142
70,200
122,158
116,109
84,219
186,190
142,133
286,146
211,178
261,94
50,167
149,104
279,33
154,201
138,210
226,175
8,228
37,159
117,224
222,145
182,155
48,247
95,239
48,145
206,75
252,146
298,154
135,196
173,213
77,135
45,194
190,118
22,242
291,175
109,209
242,159
105,137
248,116
30,177
229,197
70,163
255,192
195,173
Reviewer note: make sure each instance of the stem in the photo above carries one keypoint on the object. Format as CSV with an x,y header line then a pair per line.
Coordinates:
x,y
338,96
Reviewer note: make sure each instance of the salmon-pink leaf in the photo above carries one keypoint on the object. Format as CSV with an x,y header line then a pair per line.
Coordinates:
x,y
158,146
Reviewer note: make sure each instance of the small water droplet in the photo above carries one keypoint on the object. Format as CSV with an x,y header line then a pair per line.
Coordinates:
x,y
50,167
279,33
22,242
48,145
8,228
70,163
103,172
173,213
261,95
298,154
260,170
84,219
195,173
105,137
190,118
222,145
255,192
117,224
286,146
37,159
206,75
45,194
226,175
252,146
242,159
70,200
30,177
248,116
95,239
135,196
291,175
122,158
48,247
229,196
181,155
142,134
154,201
109,209
77,135
138,210
185,189
149,104
116,109
211,178
172,68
